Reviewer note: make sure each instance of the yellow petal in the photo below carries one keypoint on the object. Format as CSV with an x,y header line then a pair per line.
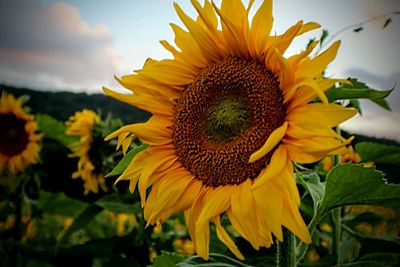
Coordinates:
x,y
185,201
328,114
207,15
191,50
286,75
170,48
165,192
309,26
261,26
271,142
312,84
224,237
287,38
232,30
287,182
142,85
313,149
315,66
302,130
149,103
274,168
243,210
203,39
215,203
292,220
271,208
170,72
156,162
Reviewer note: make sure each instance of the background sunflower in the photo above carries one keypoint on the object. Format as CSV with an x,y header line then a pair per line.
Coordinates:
x,y
89,165
19,138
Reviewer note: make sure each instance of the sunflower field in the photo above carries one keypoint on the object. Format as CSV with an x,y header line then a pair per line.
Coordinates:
x,y
237,159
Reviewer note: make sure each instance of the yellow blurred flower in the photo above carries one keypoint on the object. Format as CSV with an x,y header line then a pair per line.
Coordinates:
x,y
184,246
81,124
19,140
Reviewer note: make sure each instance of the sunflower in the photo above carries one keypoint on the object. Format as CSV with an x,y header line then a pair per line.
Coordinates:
x,y
19,140
230,115
89,166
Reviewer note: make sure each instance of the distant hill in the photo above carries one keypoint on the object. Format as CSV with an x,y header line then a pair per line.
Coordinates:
x,y
61,105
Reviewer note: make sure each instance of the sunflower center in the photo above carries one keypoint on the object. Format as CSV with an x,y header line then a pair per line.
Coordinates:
x,y
225,115
227,119
13,137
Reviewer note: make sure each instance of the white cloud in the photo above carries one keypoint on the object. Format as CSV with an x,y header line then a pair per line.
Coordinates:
x,y
52,47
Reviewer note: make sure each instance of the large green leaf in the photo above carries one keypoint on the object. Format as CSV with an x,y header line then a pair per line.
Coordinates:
x,y
126,160
351,184
59,203
53,129
168,259
378,153
114,203
358,90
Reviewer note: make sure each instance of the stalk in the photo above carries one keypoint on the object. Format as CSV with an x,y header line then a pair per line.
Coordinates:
x,y
287,250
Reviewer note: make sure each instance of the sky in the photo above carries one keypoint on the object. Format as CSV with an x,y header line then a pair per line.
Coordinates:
x,y
80,45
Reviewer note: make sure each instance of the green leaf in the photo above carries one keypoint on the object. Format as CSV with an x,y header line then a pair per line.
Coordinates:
x,y
358,90
387,22
168,259
390,259
54,129
355,103
353,184
363,264
126,160
313,186
59,203
114,203
324,35
378,153
79,222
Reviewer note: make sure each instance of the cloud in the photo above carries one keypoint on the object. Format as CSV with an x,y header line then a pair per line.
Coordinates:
x,y
52,47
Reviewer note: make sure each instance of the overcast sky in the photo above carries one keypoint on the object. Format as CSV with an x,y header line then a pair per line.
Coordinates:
x,y
80,45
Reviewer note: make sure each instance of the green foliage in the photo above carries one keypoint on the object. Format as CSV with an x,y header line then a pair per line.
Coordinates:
x,y
54,129
80,221
358,90
59,204
378,153
115,203
123,164
325,34
353,184
312,184
168,259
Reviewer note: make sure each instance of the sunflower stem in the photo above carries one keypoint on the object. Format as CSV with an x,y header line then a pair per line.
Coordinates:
x,y
287,250
336,234
302,247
